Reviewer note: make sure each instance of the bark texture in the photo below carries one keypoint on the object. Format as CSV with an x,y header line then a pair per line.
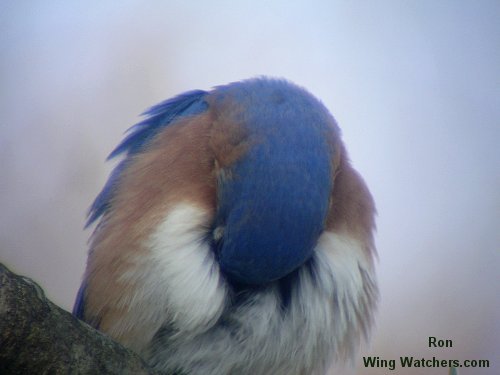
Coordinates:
x,y
38,337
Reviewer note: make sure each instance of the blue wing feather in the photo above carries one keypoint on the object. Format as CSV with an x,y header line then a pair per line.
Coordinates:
x,y
79,307
159,116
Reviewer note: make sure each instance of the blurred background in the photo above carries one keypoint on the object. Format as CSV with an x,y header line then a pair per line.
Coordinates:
x,y
415,86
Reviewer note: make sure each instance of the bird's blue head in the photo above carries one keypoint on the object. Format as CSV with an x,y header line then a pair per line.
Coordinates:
x,y
273,196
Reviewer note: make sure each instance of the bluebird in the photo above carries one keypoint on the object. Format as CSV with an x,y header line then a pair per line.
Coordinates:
x,y
234,236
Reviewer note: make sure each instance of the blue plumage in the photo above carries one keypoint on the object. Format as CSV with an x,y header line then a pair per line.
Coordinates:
x,y
79,306
274,205
159,116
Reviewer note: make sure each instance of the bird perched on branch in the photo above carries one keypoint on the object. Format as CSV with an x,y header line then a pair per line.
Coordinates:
x,y
234,237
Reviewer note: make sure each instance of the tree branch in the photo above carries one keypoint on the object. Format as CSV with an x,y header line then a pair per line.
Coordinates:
x,y
38,337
